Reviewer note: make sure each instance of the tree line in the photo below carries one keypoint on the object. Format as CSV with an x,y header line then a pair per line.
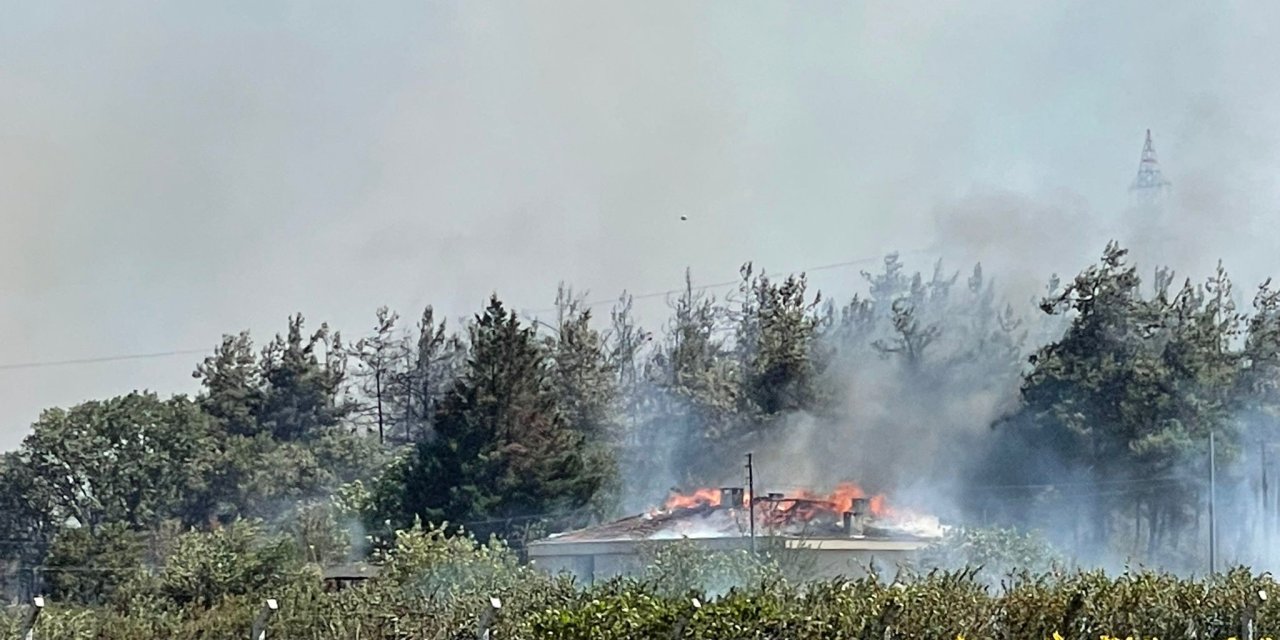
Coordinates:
x,y
516,427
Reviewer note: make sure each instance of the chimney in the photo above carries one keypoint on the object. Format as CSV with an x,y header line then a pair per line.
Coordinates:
x,y
852,526
855,521
731,497
861,507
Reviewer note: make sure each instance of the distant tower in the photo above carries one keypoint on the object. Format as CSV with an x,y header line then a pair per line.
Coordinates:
x,y
1149,188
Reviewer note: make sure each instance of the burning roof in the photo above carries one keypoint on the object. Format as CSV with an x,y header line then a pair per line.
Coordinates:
x,y
726,513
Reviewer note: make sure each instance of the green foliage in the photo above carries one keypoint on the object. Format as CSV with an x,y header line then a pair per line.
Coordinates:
x,y
503,446
125,460
322,531
1132,391
776,337
233,387
443,564
435,585
677,568
304,380
89,567
519,428
939,605
998,552
203,568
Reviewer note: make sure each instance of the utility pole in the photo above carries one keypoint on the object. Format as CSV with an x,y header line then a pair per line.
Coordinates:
x,y
751,502
377,385
1213,523
259,631
29,622
486,618
1264,518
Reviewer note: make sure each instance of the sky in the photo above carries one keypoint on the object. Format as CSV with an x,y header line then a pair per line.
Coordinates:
x,y
170,172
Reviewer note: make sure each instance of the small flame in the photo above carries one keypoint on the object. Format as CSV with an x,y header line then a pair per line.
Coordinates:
x,y
838,500
842,497
804,507
699,498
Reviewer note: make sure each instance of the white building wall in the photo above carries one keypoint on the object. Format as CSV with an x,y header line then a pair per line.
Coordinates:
x,y
589,562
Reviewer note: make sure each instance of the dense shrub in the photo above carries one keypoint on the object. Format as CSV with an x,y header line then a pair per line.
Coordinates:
x,y
940,605
203,568
85,567
995,553
677,568
438,586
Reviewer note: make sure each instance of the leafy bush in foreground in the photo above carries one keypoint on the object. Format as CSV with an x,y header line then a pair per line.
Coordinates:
x,y
997,552
940,605
435,586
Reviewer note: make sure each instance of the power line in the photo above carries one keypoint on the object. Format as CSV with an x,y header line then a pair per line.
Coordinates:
x,y
726,283
115,358
1044,485
14,366
1083,483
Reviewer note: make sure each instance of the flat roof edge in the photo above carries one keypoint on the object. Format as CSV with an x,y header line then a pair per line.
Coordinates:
x,y
554,547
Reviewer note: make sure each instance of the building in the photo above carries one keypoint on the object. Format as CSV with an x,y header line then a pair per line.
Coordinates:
x,y
838,540
342,577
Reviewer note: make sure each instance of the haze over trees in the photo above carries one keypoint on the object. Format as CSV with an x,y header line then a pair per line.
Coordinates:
x,y
515,427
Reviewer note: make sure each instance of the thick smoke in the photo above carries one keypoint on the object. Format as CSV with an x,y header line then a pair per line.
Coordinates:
x,y
224,166
940,435
176,173
911,423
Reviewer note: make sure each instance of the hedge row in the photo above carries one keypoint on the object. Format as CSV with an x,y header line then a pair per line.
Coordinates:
x,y
437,586
940,605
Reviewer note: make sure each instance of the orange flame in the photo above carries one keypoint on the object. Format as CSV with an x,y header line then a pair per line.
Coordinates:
x,y
699,498
840,499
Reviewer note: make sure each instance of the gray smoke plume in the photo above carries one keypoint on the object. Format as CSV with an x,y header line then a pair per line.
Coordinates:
x,y
177,173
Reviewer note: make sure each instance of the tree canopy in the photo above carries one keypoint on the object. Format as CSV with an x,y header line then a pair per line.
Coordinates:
x,y
514,425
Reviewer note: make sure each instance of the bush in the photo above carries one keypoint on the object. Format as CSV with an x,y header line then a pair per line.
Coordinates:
x,y
941,605
89,567
202,568
676,568
438,586
994,553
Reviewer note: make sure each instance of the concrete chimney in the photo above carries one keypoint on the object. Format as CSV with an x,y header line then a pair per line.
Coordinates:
x,y
861,507
855,520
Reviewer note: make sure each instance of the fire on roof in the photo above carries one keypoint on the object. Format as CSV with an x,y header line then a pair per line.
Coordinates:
x,y
846,512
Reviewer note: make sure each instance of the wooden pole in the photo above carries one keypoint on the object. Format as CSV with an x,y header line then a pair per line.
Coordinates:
x,y
1213,523
678,630
1263,519
486,619
29,623
259,631
751,503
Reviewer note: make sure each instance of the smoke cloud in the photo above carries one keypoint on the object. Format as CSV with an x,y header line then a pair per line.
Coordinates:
x,y
175,173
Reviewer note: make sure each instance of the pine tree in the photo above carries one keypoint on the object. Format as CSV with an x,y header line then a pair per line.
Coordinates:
x,y
502,447
432,361
585,384
776,343
378,359
304,382
695,392
1132,390
1258,385
233,386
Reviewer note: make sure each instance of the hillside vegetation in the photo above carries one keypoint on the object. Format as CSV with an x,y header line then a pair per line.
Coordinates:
x,y
1086,419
